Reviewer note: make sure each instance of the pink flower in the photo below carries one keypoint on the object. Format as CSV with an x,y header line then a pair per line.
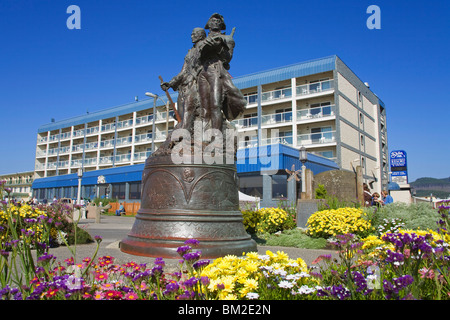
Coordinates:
x,y
131,296
101,276
107,286
98,295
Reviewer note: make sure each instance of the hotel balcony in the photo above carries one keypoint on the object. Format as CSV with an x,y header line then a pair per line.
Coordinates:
x,y
319,138
316,113
315,87
141,156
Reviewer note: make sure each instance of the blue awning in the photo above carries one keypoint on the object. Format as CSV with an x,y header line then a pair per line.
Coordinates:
x,y
112,175
262,160
272,158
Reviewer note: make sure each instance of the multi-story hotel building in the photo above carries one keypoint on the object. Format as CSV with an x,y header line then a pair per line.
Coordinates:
x,y
19,184
320,104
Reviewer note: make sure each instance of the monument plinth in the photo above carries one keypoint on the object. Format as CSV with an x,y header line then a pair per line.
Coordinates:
x,y
197,197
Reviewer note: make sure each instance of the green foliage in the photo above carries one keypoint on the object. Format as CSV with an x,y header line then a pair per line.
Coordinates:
x,y
413,216
321,192
104,201
333,202
295,238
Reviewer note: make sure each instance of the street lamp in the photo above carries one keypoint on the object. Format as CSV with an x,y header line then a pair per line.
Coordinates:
x,y
80,175
303,158
155,97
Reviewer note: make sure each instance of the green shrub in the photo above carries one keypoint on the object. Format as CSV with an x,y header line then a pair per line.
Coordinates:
x,y
413,216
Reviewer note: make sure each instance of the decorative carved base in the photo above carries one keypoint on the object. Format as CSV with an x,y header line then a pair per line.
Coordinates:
x,y
188,201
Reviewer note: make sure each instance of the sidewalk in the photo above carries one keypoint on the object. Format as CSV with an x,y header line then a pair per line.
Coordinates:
x,y
114,229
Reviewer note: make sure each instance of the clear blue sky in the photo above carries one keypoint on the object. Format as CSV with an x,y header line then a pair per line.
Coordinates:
x,y
48,71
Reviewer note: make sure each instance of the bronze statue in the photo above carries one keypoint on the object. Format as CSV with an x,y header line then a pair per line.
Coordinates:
x,y
205,76
195,199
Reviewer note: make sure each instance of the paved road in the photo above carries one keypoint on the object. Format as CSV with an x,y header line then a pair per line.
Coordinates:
x,y
113,229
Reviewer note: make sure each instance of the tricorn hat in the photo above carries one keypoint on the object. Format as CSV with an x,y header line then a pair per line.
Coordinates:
x,y
218,16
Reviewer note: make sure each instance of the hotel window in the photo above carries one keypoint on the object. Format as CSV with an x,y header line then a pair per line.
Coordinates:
x,y
279,186
252,186
135,190
118,191
320,109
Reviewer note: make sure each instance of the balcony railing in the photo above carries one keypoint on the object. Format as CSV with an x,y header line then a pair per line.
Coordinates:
x,y
124,141
315,87
141,156
145,137
246,122
108,127
316,138
276,118
107,143
77,162
144,119
287,140
90,161
78,133
276,94
318,112
93,130
91,146
124,124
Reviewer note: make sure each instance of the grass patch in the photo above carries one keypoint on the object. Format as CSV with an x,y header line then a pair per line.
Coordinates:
x,y
296,238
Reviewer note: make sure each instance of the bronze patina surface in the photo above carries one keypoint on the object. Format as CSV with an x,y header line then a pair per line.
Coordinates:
x,y
196,198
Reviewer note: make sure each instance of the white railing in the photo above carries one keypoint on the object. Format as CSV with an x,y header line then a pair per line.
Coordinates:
x,y
78,133
90,161
109,127
77,147
287,140
123,141
316,138
315,87
40,166
53,138
52,152
51,165
91,146
107,143
276,118
141,156
125,124
276,94
63,150
63,164
65,135
145,137
162,116
76,162
123,158
92,130
144,119
317,112
246,122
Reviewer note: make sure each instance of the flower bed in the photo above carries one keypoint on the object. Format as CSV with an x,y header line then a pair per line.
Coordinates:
x,y
404,264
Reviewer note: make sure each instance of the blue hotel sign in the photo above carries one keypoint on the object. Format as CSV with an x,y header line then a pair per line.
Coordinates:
x,y
399,167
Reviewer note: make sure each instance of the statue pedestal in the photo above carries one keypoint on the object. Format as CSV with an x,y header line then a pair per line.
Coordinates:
x,y
188,201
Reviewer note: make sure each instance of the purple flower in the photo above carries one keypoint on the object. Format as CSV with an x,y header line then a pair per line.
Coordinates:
x,y
395,258
191,282
192,256
46,257
392,289
160,262
200,264
192,242
183,249
172,287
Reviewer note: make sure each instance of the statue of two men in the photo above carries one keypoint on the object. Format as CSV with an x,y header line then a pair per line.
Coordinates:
x,y
205,88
